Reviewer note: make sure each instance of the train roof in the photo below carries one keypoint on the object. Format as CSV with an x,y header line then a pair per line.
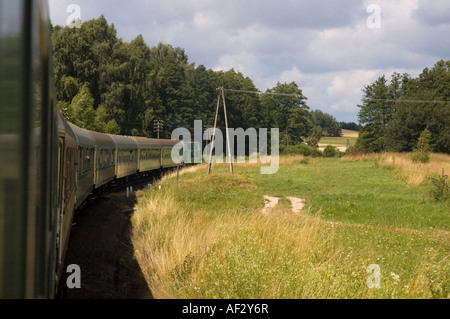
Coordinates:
x,y
102,139
124,141
144,142
168,143
64,128
83,137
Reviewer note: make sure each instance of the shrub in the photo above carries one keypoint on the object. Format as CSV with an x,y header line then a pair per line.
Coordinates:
x,y
440,190
312,141
355,151
330,151
422,151
300,149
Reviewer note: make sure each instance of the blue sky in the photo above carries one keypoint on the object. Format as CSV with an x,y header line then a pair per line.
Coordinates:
x,y
331,49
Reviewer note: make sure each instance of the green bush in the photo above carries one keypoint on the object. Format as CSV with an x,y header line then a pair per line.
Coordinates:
x,y
421,153
300,149
440,190
330,151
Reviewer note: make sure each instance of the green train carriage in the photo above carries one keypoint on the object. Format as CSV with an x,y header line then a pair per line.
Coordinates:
x,y
48,165
28,152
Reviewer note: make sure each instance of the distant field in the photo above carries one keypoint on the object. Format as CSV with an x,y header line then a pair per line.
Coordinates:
x,y
351,134
339,142
207,236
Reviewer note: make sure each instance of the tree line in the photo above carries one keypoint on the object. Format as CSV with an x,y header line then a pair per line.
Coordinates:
x,y
108,85
395,112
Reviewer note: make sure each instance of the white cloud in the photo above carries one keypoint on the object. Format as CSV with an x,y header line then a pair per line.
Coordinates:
x,y
244,62
206,20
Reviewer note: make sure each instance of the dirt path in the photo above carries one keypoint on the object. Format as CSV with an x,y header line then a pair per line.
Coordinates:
x,y
271,202
297,204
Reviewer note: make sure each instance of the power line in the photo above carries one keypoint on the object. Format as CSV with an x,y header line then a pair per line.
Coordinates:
x,y
261,93
365,100
407,101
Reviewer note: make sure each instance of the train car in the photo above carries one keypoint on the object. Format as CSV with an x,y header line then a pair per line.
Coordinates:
x,y
67,150
48,165
166,153
104,159
28,152
149,154
126,157
84,164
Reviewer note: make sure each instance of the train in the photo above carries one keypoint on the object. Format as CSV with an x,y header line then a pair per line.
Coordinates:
x,y
49,166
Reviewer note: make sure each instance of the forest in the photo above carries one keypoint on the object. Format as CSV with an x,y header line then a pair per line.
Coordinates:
x,y
108,85
396,112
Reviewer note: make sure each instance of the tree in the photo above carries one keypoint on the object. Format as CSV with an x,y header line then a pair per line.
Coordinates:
x,y
287,112
106,84
330,151
425,103
314,138
352,126
83,109
327,122
421,153
377,111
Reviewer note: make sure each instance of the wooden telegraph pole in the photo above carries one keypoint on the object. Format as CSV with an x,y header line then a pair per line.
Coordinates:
x,y
221,95
158,126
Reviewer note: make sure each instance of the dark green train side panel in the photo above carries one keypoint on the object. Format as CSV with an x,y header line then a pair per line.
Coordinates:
x,y
28,152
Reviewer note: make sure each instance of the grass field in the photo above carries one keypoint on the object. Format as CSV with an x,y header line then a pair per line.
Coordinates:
x,y
348,136
207,237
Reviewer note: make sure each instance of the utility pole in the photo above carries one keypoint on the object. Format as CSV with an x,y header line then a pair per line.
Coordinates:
x,y
221,94
158,126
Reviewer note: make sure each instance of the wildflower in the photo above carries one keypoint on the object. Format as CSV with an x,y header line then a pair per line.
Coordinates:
x,y
395,277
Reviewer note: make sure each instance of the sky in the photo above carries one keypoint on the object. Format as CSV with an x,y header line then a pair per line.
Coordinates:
x,y
331,49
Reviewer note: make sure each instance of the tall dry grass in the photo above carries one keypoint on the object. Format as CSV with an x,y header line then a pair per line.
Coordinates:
x,y
197,253
414,174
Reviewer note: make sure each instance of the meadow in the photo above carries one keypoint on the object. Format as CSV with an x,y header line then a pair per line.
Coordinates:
x,y
206,237
348,138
